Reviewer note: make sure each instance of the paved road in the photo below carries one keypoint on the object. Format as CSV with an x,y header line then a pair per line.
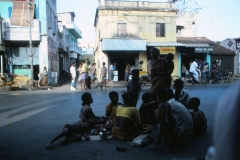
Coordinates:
x,y
30,119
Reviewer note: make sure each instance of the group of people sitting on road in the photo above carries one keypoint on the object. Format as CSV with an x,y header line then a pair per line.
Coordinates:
x,y
176,114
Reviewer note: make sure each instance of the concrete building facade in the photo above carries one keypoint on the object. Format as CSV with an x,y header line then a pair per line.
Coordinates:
x,y
15,33
126,30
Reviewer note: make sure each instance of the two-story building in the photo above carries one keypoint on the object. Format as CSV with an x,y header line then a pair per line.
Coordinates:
x,y
17,34
126,30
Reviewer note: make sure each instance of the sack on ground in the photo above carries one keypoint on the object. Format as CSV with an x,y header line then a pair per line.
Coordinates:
x,y
142,140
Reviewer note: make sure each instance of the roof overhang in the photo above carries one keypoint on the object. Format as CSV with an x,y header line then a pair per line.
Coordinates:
x,y
165,44
123,45
196,45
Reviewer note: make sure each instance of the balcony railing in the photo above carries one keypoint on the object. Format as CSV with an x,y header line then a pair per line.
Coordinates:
x,y
75,48
20,33
70,25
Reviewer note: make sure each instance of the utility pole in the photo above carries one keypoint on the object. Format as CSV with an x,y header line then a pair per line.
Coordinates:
x,y
30,36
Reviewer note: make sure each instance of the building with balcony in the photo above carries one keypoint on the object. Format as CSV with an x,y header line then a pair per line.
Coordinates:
x,y
73,33
126,30
16,35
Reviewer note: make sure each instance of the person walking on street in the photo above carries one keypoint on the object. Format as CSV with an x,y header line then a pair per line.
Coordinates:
x,y
73,76
103,76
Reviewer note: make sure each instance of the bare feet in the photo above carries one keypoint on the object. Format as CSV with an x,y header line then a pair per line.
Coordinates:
x,y
49,146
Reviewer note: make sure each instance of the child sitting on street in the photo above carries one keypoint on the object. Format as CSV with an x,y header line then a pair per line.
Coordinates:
x,y
111,108
147,109
73,132
199,119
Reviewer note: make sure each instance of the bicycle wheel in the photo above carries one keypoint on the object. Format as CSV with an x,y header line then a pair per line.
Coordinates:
x,y
173,80
187,81
146,85
2,84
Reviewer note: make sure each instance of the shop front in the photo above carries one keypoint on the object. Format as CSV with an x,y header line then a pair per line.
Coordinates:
x,y
123,51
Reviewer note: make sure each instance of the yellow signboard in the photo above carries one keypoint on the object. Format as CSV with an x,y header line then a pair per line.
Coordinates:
x,y
166,50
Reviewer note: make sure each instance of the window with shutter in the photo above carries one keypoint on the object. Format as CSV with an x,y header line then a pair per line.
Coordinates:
x,y
160,29
121,29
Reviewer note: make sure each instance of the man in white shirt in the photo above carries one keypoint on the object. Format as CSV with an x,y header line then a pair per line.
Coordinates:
x,y
73,76
193,69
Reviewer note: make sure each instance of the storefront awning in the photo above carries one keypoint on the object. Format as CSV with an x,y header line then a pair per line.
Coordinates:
x,y
123,45
165,44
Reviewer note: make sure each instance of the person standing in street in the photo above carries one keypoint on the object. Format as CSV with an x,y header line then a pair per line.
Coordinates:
x,y
84,74
103,76
73,76
110,72
44,80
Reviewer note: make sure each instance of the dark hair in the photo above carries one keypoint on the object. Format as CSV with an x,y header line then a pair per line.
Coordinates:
x,y
135,72
86,96
103,63
195,103
178,82
145,96
170,56
113,94
73,63
129,98
88,62
83,60
155,49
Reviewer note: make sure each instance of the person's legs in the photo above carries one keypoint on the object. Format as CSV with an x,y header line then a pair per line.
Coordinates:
x,y
65,133
72,138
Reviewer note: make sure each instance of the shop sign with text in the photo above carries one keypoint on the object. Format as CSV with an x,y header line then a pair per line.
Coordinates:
x,y
204,50
166,50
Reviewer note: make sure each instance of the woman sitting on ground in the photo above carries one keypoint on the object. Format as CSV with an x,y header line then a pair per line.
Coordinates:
x,y
128,124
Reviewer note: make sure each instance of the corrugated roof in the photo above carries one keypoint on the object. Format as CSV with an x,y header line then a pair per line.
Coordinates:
x,y
218,49
164,44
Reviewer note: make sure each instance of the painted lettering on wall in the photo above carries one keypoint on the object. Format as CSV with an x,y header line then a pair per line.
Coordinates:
x,y
166,50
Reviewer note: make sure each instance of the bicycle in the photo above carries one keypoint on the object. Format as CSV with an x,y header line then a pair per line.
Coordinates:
x,y
146,82
12,81
189,79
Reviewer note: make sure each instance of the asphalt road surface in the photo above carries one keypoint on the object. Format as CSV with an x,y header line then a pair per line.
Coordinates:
x,y
30,119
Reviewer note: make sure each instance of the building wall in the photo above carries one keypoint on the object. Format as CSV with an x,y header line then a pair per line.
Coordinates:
x,y
140,17
186,20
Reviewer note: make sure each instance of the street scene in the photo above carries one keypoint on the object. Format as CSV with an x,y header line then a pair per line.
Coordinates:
x,y
30,119
119,79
